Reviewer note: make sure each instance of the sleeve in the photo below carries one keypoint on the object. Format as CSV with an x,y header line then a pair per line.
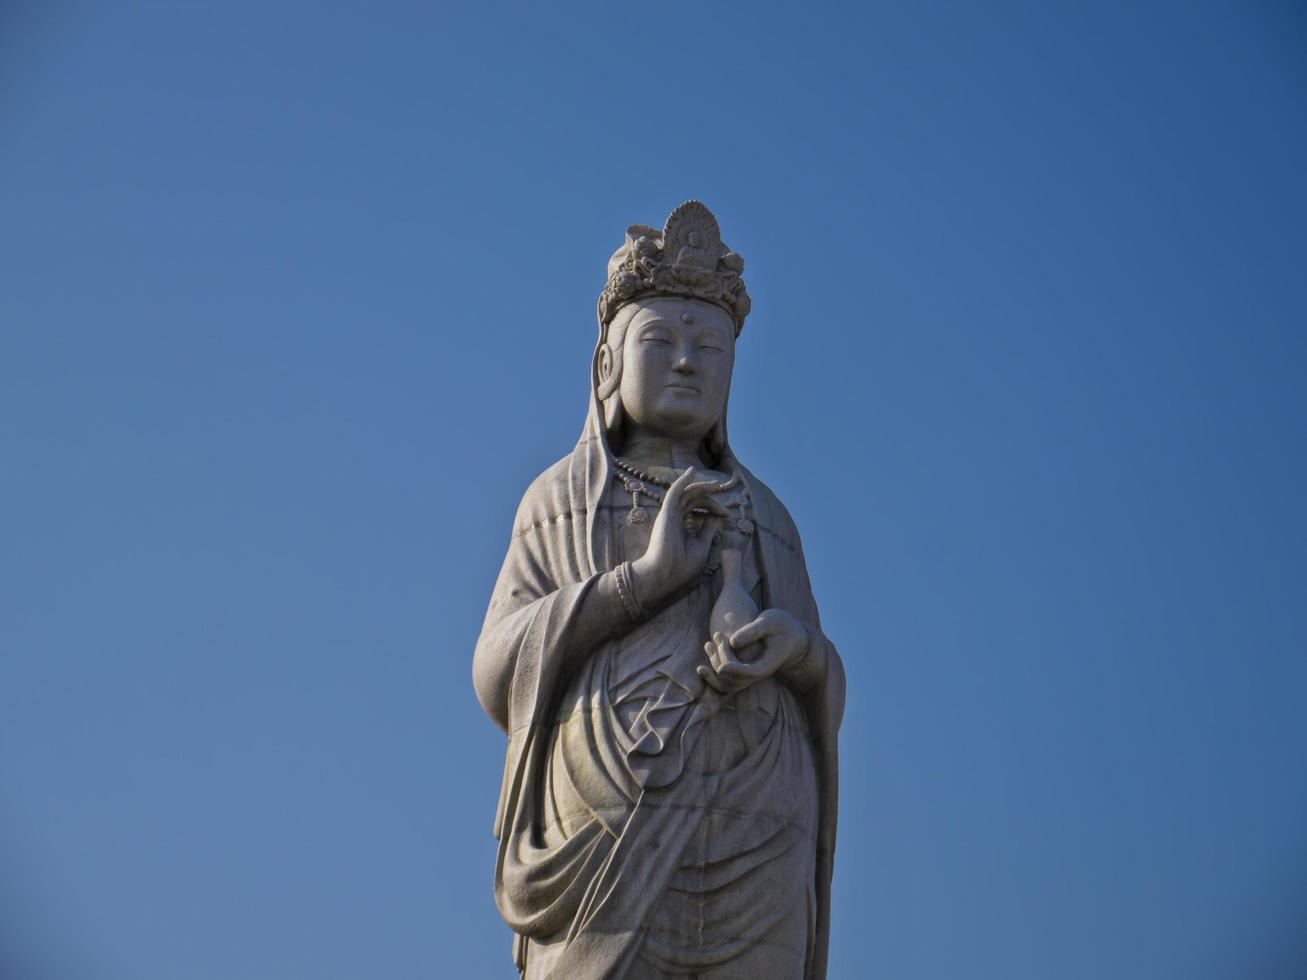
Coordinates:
x,y
532,608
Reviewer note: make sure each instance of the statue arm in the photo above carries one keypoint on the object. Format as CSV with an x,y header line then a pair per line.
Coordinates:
x,y
530,610
606,610
819,675
533,616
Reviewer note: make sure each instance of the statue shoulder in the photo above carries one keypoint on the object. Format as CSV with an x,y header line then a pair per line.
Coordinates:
x,y
547,495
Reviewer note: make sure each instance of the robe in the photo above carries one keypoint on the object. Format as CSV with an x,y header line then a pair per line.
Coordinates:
x,y
583,886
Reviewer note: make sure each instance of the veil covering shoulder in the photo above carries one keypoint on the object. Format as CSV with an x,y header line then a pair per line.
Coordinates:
x,y
598,885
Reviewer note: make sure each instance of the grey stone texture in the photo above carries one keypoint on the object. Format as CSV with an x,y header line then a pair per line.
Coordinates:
x,y
654,654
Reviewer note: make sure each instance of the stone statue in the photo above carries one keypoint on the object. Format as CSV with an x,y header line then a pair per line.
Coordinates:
x,y
653,652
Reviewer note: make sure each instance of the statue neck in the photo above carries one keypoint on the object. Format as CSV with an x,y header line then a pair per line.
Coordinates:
x,y
648,449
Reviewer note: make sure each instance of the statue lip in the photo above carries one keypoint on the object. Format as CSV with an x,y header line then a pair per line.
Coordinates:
x,y
675,384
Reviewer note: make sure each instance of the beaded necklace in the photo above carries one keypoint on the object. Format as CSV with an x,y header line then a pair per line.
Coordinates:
x,y
638,483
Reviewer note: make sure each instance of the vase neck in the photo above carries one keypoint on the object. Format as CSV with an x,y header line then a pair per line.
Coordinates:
x,y
731,562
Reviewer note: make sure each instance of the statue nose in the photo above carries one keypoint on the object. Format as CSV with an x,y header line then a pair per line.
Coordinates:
x,y
683,364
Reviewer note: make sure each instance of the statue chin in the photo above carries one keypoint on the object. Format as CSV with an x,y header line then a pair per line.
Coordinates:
x,y
674,425
685,426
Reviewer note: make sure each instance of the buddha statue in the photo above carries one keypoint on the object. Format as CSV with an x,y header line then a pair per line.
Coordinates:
x,y
653,652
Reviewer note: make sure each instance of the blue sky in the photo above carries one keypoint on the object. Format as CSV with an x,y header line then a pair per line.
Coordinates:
x,y
299,297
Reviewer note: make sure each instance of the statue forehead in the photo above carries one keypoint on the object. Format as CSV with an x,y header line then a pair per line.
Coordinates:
x,y
679,309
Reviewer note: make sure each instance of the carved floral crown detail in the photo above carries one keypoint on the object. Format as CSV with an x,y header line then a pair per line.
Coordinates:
x,y
687,258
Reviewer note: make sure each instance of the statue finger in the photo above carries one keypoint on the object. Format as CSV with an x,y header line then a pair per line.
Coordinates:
x,y
772,658
704,486
672,499
751,633
714,653
740,670
715,507
722,657
736,680
698,498
711,679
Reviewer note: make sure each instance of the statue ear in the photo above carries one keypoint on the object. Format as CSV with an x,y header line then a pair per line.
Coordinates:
x,y
611,408
606,374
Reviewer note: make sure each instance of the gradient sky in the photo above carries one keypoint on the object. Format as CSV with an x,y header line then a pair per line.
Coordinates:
x,y
297,299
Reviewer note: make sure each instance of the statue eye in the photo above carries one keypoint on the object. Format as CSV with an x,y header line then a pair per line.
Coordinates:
x,y
711,347
656,339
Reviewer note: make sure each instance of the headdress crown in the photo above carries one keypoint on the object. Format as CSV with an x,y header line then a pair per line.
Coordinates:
x,y
687,258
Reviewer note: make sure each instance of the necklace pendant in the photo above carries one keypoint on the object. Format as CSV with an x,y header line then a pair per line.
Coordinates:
x,y
638,514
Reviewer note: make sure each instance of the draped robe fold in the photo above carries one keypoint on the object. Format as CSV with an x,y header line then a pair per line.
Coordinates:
x,y
599,884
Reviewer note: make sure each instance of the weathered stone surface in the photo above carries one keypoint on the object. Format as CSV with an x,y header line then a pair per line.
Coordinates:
x,y
654,653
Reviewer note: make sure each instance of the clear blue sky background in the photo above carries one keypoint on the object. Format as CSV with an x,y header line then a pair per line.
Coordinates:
x,y
297,298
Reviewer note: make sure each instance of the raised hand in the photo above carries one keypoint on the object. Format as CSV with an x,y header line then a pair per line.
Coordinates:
x,y
678,544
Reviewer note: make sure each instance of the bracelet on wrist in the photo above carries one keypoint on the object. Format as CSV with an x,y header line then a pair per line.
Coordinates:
x,y
626,592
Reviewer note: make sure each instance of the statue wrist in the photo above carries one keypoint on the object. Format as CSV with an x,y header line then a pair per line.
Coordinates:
x,y
646,582
798,673
624,577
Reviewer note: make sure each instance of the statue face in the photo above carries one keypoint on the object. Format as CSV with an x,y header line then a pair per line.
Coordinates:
x,y
677,357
